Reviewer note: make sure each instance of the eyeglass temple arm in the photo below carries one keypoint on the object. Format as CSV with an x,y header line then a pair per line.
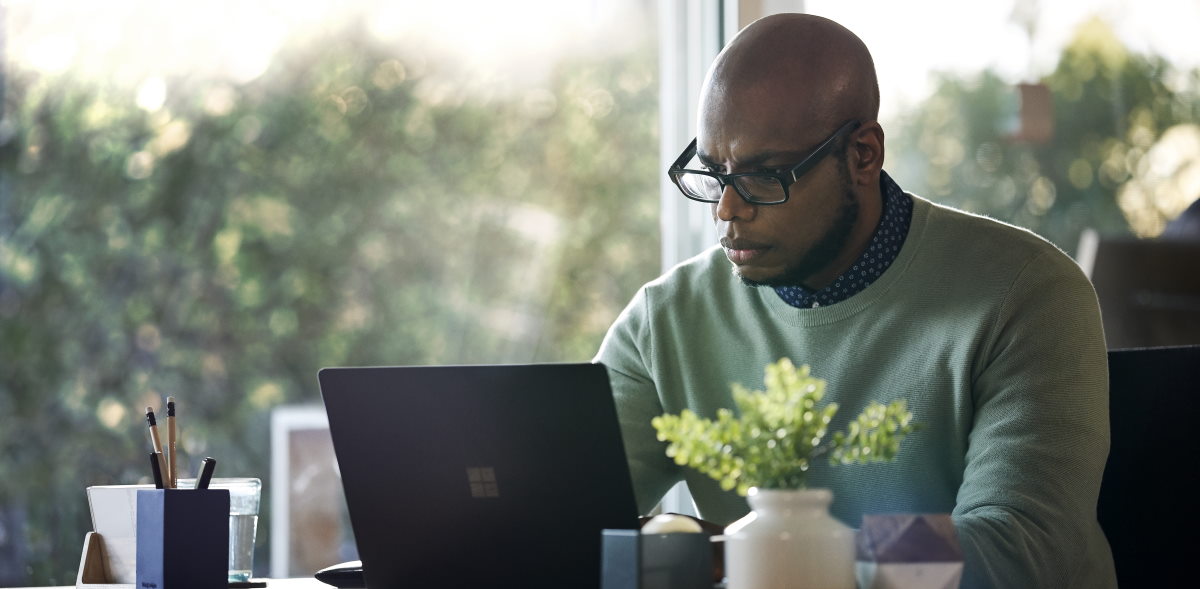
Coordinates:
x,y
687,154
819,153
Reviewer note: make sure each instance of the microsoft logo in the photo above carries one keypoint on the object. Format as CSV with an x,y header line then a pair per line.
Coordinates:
x,y
483,481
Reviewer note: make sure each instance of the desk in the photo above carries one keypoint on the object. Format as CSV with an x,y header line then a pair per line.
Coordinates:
x,y
297,583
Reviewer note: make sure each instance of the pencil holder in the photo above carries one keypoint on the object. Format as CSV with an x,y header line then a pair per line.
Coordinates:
x,y
182,538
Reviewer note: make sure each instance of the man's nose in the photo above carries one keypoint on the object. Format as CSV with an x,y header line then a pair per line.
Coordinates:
x,y
732,206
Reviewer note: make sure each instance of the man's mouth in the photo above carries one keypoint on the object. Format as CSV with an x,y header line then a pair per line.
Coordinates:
x,y
742,251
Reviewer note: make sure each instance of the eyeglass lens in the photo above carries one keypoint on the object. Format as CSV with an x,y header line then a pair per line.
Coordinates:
x,y
754,188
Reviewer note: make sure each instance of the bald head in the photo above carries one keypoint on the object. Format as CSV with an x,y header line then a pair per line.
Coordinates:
x,y
784,87
803,71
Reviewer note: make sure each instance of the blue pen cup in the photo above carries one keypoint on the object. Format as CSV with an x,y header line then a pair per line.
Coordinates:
x,y
182,538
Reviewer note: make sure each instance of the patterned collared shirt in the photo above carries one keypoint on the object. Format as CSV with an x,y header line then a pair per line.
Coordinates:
x,y
884,247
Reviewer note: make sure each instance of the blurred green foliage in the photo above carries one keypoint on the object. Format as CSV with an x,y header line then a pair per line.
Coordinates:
x,y
1109,108
353,206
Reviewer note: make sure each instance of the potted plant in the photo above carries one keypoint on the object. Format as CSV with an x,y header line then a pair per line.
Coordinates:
x,y
764,451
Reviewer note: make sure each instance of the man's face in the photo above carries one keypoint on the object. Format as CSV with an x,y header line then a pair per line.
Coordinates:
x,y
790,243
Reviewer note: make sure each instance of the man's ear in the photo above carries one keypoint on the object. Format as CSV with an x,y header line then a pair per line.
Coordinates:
x,y
866,143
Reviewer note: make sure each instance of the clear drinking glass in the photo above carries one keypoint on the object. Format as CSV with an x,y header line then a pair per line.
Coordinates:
x,y
244,495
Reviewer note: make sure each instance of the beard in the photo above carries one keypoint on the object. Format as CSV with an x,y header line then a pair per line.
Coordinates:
x,y
824,251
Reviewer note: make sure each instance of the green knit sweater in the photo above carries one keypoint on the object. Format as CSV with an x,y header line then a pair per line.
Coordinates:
x,y
993,336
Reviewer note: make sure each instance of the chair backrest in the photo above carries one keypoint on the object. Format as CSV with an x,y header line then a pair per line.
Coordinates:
x,y
1147,504
1149,289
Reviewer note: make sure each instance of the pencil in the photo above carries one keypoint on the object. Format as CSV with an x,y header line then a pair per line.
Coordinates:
x,y
172,467
158,449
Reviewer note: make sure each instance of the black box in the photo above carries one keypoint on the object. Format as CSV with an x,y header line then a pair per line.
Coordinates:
x,y
631,560
182,538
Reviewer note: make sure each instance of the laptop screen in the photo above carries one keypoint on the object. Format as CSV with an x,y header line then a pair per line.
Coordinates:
x,y
479,475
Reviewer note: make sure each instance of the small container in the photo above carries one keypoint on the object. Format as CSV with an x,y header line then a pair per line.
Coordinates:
x,y
789,541
182,538
244,497
632,560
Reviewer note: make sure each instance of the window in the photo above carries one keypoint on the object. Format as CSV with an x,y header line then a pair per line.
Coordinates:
x,y
213,201
1056,116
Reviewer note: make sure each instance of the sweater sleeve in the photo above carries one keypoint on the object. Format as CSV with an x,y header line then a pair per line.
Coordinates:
x,y
1026,510
626,353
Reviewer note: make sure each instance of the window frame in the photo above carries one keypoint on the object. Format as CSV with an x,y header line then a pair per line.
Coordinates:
x,y
691,34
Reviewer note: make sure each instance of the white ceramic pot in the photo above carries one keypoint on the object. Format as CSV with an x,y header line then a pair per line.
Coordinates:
x,y
789,541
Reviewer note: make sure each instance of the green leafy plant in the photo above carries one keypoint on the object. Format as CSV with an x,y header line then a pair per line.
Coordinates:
x,y
779,432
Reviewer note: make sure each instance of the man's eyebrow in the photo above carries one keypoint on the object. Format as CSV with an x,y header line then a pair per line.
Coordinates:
x,y
790,156
704,158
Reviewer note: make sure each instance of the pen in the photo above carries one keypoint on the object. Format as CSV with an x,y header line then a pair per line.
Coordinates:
x,y
158,449
158,480
206,472
172,468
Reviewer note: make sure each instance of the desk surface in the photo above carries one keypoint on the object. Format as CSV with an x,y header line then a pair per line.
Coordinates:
x,y
300,583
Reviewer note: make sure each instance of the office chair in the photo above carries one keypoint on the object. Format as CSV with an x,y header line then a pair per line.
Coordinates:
x,y
1149,290
1148,504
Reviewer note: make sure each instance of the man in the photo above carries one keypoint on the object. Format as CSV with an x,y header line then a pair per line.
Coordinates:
x,y
991,334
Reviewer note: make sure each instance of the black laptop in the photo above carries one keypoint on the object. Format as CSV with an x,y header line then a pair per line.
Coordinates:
x,y
479,476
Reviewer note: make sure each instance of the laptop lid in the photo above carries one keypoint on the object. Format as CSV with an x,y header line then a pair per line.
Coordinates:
x,y
481,476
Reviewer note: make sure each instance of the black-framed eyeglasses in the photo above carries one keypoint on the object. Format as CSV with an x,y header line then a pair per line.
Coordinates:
x,y
760,188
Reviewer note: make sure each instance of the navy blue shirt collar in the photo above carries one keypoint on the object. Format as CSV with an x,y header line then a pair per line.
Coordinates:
x,y
880,253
